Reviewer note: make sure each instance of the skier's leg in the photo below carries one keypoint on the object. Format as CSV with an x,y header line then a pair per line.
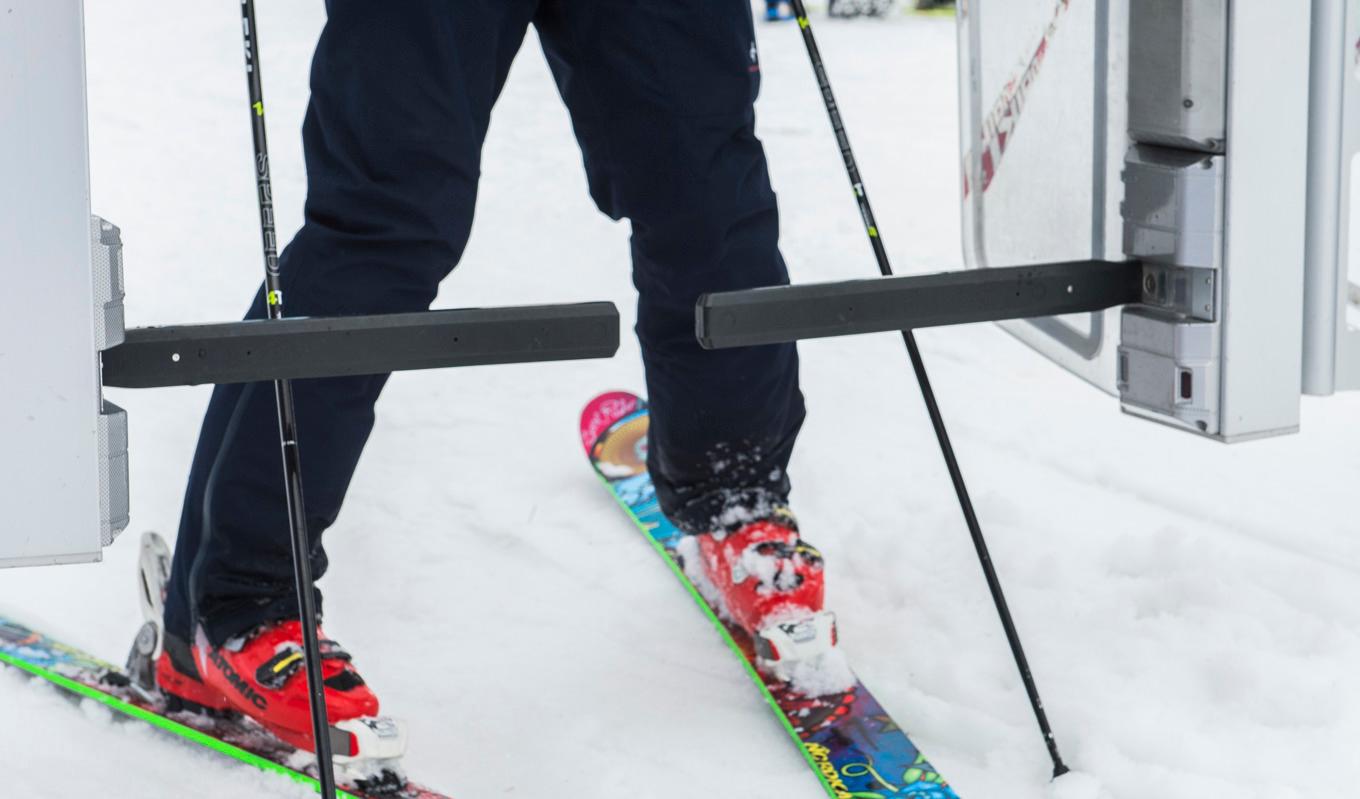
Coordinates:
x,y
661,97
401,97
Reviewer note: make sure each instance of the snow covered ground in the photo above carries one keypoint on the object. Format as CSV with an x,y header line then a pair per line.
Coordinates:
x,y
1192,611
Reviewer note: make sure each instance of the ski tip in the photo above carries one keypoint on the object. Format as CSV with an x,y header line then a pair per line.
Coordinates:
x,y
603,411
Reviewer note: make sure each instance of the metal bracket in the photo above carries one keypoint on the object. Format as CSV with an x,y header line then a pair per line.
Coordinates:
x,y
113,472
290,349
1184,290
106,256
106,263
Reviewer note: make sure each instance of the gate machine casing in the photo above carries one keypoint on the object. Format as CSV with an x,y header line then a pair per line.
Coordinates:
x,y
63,469
1176,133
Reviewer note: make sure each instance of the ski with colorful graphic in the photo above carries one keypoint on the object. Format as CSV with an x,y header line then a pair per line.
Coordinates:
x,y
84,676
854,747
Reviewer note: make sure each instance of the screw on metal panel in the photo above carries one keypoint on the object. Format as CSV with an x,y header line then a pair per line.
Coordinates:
x,y
1188,103
1150,284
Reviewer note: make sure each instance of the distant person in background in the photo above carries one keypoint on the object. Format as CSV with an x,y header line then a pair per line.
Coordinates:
x,y
879,8
858,8
776,10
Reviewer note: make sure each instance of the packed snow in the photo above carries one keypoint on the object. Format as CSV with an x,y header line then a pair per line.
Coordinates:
x,y
1191,611
823,675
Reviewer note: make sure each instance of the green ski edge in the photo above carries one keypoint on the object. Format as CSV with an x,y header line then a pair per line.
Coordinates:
x,y
181,730
726,636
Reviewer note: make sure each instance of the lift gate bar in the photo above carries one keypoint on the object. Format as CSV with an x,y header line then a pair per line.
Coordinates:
x,y
875,305
289,349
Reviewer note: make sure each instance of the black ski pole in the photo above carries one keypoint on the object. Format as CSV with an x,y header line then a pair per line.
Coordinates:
x,y
928,394
283,393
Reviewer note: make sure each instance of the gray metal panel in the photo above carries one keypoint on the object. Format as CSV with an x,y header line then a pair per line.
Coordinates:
x,y
113,473
1331,344
1173,207
106,245
1265,196
1178,73
1169,369
50,402
1029,70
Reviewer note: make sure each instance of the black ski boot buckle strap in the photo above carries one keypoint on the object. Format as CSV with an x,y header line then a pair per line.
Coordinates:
x,y
289,660
273,673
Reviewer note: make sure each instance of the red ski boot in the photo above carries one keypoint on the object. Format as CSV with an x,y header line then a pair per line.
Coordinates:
x,y
263,676
179,680
769,582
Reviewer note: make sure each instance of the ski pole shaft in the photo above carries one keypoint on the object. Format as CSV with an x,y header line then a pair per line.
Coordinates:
x,y
283,394
928,394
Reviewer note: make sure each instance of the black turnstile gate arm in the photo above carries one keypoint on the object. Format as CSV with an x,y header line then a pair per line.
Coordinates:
x,y
875,305
303,347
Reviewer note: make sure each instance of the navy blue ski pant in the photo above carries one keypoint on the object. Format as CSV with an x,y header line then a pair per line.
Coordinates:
x,y
660,96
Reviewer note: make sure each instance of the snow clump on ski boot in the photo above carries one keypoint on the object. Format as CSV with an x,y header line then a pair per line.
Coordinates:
x,y
764,578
